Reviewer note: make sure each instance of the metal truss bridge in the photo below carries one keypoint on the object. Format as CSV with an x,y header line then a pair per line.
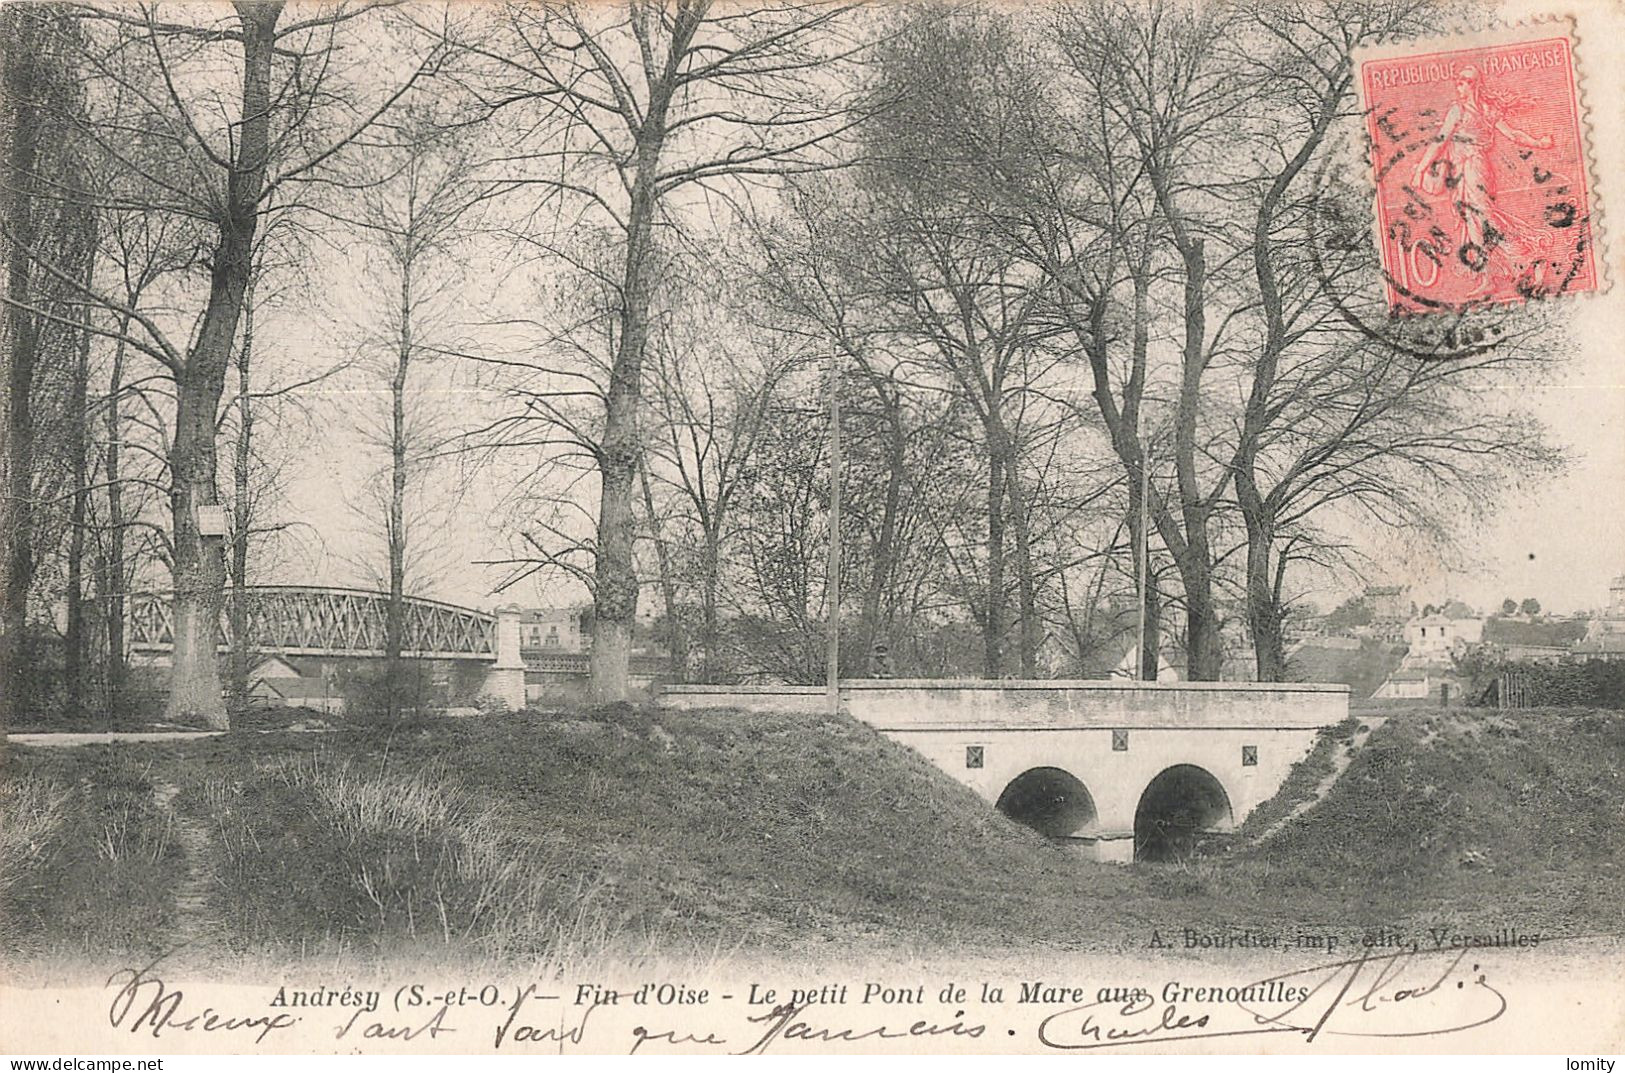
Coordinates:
x,y
309,621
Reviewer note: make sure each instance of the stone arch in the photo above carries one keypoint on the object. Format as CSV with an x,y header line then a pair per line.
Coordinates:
x,y
1053,802
1176,807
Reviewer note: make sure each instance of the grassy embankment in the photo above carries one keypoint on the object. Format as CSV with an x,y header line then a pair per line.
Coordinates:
x,y
87,856
628,833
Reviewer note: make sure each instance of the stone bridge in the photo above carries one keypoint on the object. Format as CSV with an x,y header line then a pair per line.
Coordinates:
x,y
1130,770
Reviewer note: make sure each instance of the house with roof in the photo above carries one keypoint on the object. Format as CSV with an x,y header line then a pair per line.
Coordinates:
x,y
1439,638
1433,644
1534,641
295,692
1605,634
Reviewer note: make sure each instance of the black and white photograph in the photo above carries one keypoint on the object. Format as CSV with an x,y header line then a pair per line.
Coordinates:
x,y
713,527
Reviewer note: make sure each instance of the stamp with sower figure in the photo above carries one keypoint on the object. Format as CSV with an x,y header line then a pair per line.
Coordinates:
x,y
1479,158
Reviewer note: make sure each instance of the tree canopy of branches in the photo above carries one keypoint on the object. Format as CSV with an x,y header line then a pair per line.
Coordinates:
x,y
208,116
632,119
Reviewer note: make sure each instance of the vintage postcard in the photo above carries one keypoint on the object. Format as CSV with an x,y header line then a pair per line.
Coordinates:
x,y
688,528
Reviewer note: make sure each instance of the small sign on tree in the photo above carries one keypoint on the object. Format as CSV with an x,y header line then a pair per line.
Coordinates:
x,y
211,521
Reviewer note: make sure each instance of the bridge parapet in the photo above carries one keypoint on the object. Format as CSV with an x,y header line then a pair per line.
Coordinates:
x,y
941,704
930,704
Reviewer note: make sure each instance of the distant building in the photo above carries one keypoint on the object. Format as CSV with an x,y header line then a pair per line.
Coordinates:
x,y
554,630
1362,665
1605,634
279,682
296,693
1433,644
1437,637
1420,683
1522,641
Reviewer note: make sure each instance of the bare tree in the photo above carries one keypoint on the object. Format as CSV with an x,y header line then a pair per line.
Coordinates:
x,y
710,405
226,156
1214,175
908,483
261,420
74,670
963,297
417,218
640,105
144,251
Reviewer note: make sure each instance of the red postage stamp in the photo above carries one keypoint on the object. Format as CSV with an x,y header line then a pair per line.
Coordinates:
x,y
1482,193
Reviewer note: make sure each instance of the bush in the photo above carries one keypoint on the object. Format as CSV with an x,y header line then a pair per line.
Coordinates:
x,y
373,695
1592,684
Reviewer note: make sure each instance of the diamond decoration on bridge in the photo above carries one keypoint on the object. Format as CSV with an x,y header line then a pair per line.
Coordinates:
x,y
973,756
1119,741
1249,756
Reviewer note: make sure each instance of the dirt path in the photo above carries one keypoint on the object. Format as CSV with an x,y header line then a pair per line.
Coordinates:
x,y
194,928
110,737
1341,759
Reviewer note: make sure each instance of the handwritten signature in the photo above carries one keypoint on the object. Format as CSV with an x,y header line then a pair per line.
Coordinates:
x,y
1403,994
143,1001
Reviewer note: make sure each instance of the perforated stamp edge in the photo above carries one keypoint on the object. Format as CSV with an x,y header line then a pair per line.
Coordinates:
x,y
1503,31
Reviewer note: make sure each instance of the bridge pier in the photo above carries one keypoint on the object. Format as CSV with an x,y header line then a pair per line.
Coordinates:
x,y
505,679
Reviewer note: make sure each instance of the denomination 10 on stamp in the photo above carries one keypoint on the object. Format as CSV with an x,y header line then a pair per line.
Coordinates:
x,y
1479,157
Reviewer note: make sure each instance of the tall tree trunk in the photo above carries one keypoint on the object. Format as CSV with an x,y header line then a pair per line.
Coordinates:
x,y
710,617
615,578
20,79
1258,510
240,490
1026,583
73,665
1132,447
1203,653
99,628
676,633
199,572
884,555
993,607
1139,540
115,571
395,614
1151,650
1263,606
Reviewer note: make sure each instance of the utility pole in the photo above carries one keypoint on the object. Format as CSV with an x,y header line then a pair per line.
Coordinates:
x,y
1142,564
832,580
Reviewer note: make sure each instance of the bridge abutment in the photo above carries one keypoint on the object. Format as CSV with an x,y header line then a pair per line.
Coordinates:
x,y
505,679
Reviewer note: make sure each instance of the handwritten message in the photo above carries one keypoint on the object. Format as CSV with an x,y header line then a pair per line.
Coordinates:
x,y
1389,987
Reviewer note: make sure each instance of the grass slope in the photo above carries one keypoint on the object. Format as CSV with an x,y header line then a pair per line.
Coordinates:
x,y
86,856
1454,811
688,833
